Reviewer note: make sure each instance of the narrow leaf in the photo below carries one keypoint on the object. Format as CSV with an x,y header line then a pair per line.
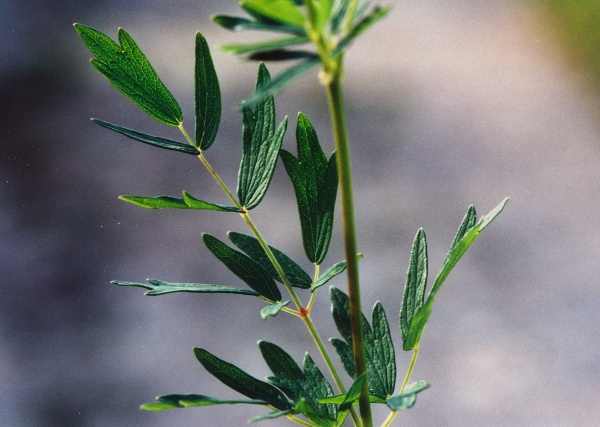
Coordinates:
x,y
175,401
329,274
235,23
272,310
344,351
244,49
167,202
281,55
384,357
208,96
352,396
282,80
317,386
158,287
408,398
414,288
365,23
240,381
271,415
282,11
251,246
126,67
242,266
157,141
339,399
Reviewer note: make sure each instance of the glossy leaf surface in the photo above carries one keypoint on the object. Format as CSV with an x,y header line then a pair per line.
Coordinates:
x,y
244,267
240,381
207,96
175,401
261,144
251,246
315,183
126,67
168,202
156,141
158,287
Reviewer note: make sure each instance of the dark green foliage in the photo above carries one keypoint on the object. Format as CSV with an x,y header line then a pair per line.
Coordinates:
x,y
381,362
315,183
157,141
251,246
240,381
158,287
167,202
261,144
244,267
207,96
127,69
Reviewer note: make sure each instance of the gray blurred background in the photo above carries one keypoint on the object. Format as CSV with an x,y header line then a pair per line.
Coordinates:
x,y
450,103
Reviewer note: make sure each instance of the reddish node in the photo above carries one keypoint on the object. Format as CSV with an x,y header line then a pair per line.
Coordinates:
x,y
303,312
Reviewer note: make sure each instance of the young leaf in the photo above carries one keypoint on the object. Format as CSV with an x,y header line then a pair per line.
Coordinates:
x,y
243,267
468,222
329,274
251,246
174,401
315,183
167,202
272,310
282,11
158,287
157,141
408,398
282,80
240,381
270,45
208,96
381,363
261,144
416,280
235,23
129,71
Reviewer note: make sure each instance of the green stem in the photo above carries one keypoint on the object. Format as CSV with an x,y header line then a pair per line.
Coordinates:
x,y
336,107
413,361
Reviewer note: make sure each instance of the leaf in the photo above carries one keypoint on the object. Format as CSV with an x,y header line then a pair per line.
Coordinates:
x,y
251,246
282,11
308,385
414,288
365,23
271,415
207,96
270,45
281,81
235,23
167,202
174,401
344,351
158,287
468,222
408,398
272,310
339,399
331,272
261,144
129,71
243,267
324,12
157,141
315,183
381,364
281,55
352,396
240,381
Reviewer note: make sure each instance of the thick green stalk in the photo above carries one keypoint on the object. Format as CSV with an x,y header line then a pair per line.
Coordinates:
x,y
340,136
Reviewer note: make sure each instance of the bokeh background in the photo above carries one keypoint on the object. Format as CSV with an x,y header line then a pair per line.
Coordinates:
x,y
450,103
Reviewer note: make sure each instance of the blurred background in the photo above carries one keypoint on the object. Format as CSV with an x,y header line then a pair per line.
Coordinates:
x,y
450,103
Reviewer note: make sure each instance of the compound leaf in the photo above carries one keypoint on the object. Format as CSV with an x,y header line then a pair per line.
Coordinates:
x,y
126,67
158,287
207,96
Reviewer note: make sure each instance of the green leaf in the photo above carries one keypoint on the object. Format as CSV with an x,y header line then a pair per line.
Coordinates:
x,y
408,398
282,11
271,415
175,401
158,287
346,355
309,385
244,267
324,12
240,381
417,324
381,364
315,183
352,396
167,202
331,272
261,144
468,222
282,80
157,141
281,55
251,246
365,23
130,72
270,45
235,23
414,288
272,310
208,96
339,399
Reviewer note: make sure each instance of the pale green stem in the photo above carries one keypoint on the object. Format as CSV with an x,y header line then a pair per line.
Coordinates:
x,y
413,361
